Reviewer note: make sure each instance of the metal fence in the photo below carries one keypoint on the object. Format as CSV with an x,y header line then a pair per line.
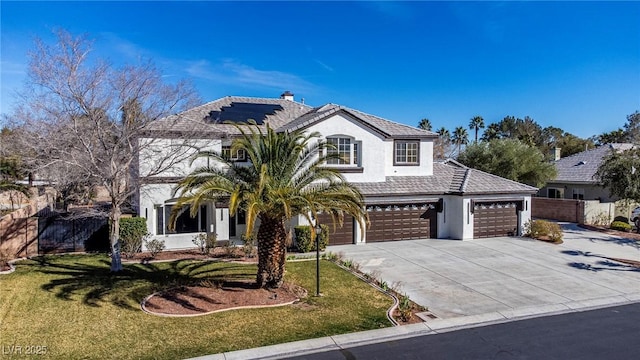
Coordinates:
x,y
65,232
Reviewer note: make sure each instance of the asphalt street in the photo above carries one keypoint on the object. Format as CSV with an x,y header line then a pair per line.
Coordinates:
x,y
610,333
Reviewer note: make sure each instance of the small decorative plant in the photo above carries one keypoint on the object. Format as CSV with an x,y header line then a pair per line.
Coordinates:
x,y
205,242
249,246
404,308
155,246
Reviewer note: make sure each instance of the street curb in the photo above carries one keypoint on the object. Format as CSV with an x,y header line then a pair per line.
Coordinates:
x,y
430,327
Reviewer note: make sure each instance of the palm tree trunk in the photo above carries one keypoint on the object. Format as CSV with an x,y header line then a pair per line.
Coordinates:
x,y
271,252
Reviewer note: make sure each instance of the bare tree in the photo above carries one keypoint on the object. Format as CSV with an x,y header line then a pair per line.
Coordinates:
x,y
84,122
442,148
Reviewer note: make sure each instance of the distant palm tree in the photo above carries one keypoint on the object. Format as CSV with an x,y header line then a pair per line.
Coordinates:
x,y
425,124
460,137
444,134
476,123
492,132
286,178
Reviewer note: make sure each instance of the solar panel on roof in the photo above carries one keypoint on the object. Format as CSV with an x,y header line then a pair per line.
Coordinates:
x,y
241,113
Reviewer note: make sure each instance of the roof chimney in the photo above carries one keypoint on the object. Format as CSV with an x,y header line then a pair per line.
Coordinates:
x,y
555,152
287,95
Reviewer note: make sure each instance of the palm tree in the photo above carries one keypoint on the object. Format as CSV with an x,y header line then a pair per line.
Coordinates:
x,y
460,137
476,123
425,124
285,178
492,132
444,134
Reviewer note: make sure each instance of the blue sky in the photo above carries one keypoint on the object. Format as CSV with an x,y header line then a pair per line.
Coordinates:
x,y
574,65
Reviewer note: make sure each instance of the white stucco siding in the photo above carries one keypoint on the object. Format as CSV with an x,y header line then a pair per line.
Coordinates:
x,y
525,214
173,156
372,151
153,195
458,223
221,224
425,167
445,220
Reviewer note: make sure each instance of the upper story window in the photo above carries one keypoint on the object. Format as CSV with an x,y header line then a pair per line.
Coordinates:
x,y
346,148
406,152
555,193
237,155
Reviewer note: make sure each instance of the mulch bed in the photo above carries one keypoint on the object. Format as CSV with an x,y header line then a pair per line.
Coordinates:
x,y
5,267
626,235
198,300
217,253
414,319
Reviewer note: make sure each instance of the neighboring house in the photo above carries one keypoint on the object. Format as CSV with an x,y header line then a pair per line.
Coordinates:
x,y
407,194
576,175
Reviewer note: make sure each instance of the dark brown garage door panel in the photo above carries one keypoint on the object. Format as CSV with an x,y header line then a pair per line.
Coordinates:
x,y
493,219
401,222
338,235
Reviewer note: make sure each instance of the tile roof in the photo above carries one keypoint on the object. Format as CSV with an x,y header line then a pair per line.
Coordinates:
x,y
293,116
582,167
194,120
385,127
448,178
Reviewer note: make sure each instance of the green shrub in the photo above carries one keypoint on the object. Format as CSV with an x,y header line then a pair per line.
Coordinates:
x,y
132,232
543,230
303,238
155,246
620,226
620,218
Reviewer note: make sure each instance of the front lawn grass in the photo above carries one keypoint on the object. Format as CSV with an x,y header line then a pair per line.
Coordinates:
x,y
73,305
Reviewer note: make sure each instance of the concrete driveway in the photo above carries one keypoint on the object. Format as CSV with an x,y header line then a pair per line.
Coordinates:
x,y
502,275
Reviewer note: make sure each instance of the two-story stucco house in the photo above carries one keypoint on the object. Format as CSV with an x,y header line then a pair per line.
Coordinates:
x,y
407,194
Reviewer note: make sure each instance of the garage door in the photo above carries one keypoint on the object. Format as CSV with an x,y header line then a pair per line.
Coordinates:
x,y
401,222
493,219
338,235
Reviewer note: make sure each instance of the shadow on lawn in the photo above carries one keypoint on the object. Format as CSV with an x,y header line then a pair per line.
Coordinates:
x,y
96,284
605,264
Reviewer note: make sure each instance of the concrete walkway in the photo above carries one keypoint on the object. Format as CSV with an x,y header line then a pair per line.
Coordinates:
x,y
484,281
462,278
